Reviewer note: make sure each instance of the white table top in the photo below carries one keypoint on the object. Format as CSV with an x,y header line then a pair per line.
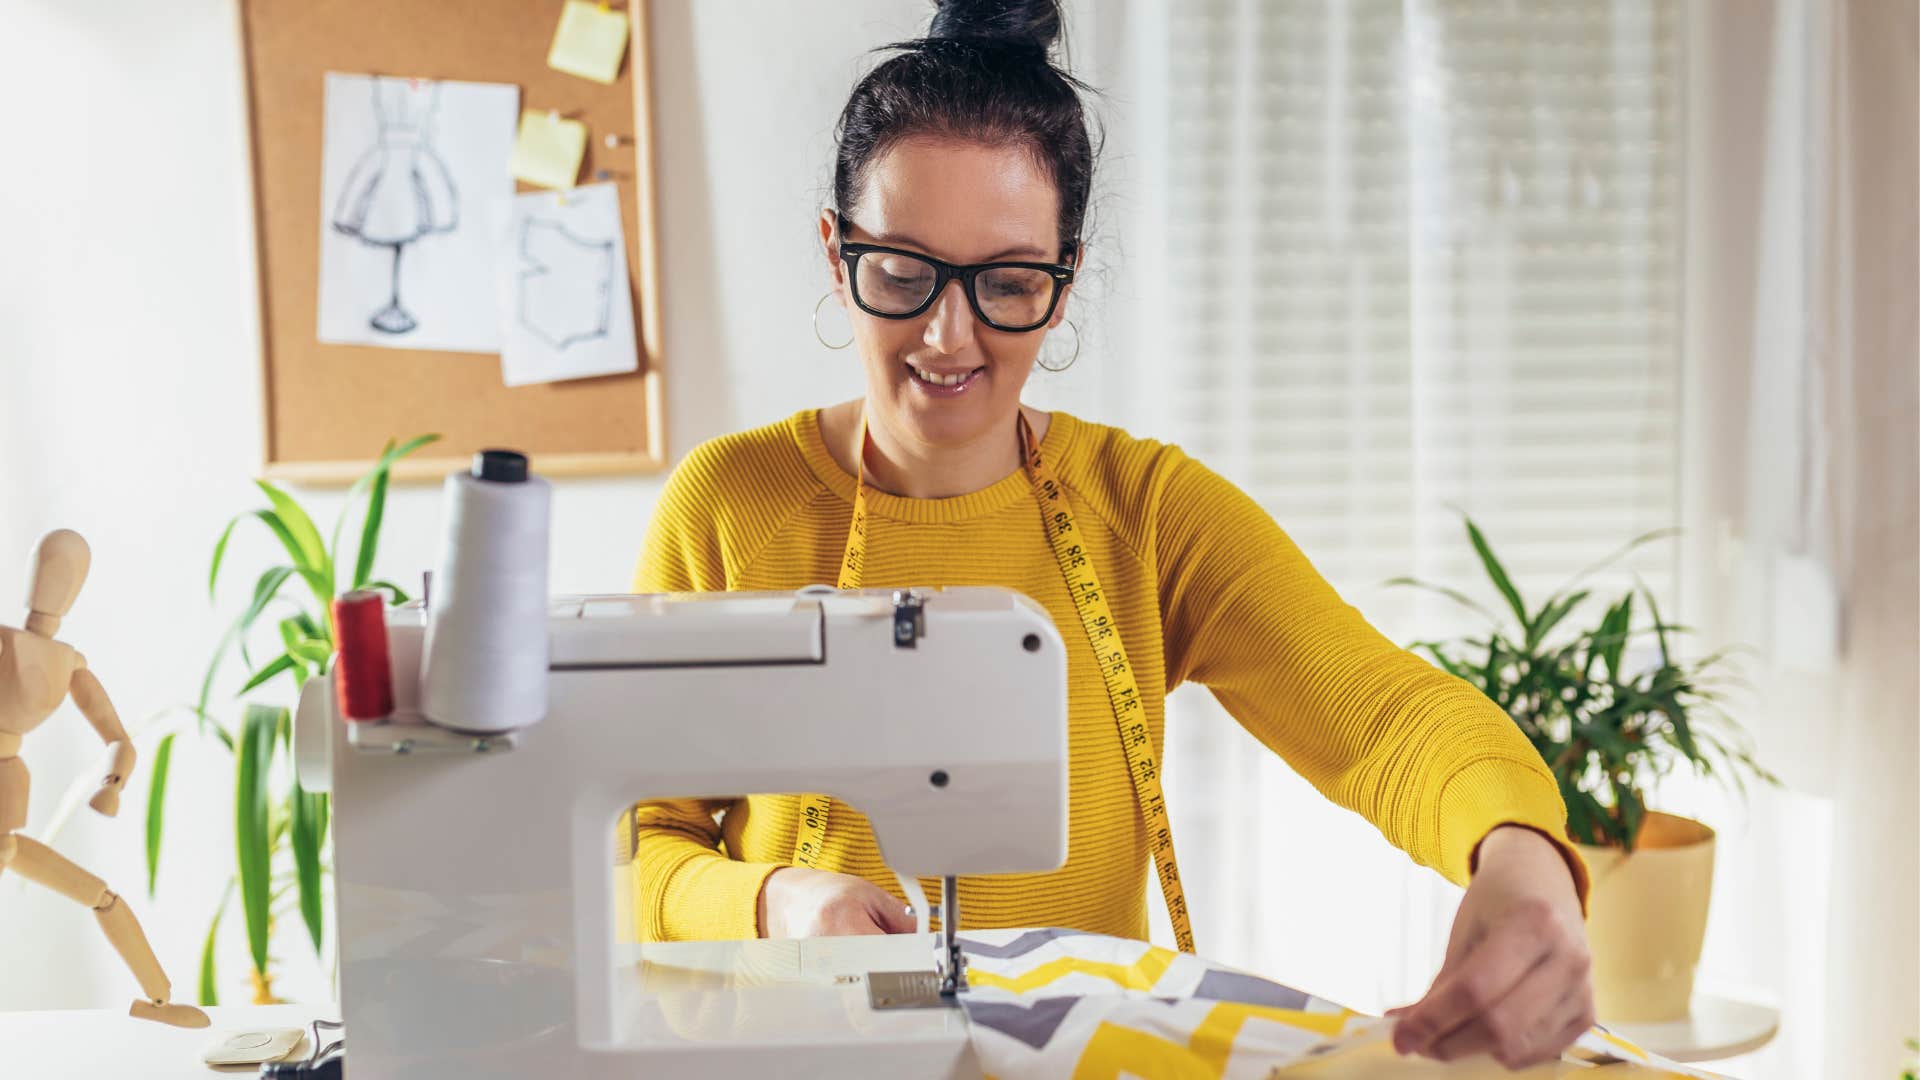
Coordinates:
x,y
108,1043
1715,1028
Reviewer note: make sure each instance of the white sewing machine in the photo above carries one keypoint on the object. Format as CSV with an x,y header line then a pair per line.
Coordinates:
x,y
475,872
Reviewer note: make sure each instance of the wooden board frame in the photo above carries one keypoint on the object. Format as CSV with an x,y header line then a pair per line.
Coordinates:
x,y
471,394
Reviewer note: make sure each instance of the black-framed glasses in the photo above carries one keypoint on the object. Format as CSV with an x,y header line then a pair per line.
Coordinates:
x,y
894,284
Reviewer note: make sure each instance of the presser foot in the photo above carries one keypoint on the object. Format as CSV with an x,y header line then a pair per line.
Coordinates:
x,y
888,990
938,988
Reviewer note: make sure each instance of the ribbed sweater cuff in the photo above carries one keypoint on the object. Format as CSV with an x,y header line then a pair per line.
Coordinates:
x,y
1490,792
715,899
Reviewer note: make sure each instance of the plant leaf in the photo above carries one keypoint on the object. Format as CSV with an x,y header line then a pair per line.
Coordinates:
x,y
219,553
280,663
310,629
157,809
395,453
313,652
370,530
309,549
209,990
1497,572
309,552
388,455
1630,811
1550,616
318,578
1622,552
1454,595
307,812
377,504
1616,647
264,591
399,594
1659,628
258,733
1447,663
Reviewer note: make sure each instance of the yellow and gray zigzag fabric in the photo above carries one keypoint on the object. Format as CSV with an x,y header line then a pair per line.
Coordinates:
x,y
1059,1003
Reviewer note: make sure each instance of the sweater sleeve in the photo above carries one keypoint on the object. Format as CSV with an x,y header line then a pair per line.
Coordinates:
x,y
1424,756
685,886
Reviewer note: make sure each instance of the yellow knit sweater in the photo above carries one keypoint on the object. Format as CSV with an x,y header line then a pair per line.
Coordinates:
x,y
1205,587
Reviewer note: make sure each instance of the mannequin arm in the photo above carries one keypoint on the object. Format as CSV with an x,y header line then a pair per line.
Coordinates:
x,y
91,698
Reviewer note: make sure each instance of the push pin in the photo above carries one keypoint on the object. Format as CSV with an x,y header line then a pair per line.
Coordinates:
x,y
616,141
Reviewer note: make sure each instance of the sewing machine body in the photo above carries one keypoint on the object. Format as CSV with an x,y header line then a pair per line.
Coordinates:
x,y
474,875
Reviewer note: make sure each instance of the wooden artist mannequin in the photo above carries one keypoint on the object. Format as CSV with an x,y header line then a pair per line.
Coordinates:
x,y
37,673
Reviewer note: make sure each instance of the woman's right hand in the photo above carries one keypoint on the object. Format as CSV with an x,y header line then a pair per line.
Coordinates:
x,y
798,902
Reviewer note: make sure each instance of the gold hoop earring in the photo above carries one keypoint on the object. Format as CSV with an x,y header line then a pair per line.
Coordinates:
x,y
1070,359
816,324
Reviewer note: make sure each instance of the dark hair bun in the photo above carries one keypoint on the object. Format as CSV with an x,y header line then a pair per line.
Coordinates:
x,y
982,74
1032,24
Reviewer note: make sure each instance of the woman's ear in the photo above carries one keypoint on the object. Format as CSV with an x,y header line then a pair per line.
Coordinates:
x,y
1078,260
830,243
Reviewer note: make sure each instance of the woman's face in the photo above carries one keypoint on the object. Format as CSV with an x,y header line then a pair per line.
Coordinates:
x,y
964,203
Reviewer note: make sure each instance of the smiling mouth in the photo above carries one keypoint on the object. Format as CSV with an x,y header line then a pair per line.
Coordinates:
x,y
948,381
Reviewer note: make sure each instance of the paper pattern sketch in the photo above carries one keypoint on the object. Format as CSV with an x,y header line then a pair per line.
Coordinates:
x,y
566,311
407,167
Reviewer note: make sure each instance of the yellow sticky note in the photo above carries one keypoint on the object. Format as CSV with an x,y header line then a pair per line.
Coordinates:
x,y
589,41
549,150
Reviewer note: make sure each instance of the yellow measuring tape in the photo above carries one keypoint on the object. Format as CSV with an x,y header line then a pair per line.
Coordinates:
x,y
1103,635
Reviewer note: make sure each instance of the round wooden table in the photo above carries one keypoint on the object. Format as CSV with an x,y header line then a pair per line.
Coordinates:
x,y
1714,1028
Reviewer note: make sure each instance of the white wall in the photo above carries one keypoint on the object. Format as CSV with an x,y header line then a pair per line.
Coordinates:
x,y
129,392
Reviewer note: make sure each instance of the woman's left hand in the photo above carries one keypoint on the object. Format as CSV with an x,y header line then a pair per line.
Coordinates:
x,y
1515,983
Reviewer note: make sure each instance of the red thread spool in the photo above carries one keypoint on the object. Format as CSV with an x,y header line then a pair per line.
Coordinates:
x,y
363,672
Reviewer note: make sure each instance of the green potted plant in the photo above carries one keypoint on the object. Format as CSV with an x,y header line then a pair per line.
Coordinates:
x,y
1607,729
280,829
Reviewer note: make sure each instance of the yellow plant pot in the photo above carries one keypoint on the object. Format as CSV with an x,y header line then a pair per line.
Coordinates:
x,y
1647,916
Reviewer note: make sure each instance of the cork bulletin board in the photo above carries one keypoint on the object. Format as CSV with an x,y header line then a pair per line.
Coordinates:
x,y
330,408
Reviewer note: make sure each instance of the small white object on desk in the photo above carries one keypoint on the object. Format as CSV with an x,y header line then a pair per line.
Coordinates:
x,y
1714,1028
251,1046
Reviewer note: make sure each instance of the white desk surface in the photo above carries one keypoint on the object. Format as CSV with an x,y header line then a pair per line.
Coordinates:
x,y
1715,1028
105,1043
110,1045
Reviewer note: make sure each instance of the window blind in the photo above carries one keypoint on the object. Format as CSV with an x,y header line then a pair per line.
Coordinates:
x,y
1424,257
1381,263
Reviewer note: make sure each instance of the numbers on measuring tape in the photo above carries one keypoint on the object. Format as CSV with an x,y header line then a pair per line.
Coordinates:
x,y
1083,586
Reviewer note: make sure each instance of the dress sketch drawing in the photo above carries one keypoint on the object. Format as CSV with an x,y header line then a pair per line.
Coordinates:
x,y
400,190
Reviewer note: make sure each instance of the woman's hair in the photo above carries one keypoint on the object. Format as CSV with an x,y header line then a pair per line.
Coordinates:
x,y
980,75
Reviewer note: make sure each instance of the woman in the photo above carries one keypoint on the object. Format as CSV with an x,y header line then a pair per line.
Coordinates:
x,y
960,188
